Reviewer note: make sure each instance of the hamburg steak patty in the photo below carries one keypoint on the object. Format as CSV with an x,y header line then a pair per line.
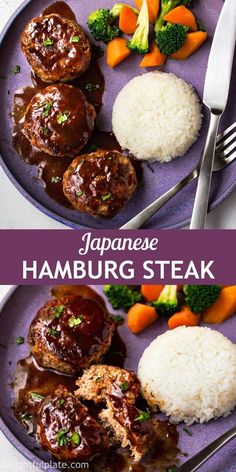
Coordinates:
x,y
136,430
100,183
66,429
99,380
128,426
59,120
56,48
70,333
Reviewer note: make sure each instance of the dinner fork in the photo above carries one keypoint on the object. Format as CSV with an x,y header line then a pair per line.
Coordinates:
x,y
225,154
199,459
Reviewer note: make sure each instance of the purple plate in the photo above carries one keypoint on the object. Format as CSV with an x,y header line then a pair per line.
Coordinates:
x,y
17,311
158,178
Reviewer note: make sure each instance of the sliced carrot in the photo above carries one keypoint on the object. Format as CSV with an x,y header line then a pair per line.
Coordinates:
x,y
192,43
223,308
153,58
153,8
182,16
185,317
140,317
117,51
151,292
127,20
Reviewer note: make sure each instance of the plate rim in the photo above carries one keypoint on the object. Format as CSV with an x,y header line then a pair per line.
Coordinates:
x,y
8,432
9,435
43,207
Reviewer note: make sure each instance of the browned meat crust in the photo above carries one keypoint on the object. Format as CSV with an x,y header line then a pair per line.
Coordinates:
x,y
66,429
70,333
85,291
99,380
56,48
59,120
100,183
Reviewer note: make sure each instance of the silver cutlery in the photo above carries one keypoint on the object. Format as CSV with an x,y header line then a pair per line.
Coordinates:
x,y
215,97
199,459
225,154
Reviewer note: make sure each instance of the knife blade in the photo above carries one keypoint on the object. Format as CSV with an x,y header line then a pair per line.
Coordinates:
x,y
215,97
218,74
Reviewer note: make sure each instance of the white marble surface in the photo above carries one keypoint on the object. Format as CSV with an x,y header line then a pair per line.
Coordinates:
x,y
16,212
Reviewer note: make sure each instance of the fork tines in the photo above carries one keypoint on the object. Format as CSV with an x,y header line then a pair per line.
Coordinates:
x,y
226,143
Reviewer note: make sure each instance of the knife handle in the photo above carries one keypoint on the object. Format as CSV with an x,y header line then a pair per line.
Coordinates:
x,y
204,181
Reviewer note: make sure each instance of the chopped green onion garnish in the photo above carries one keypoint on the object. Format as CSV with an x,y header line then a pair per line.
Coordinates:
x,y
62,117
53,332
48,42
75,439
92,87
144,416
20,340
47,109
200,26
73,321
57,311
60,402
16,69
186,430
79,194
44,129
62,437
75,39
124,387
26,416
106,197
36,396
56,179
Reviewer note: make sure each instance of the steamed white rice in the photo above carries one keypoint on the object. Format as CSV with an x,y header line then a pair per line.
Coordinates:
x,y
157,116
190,374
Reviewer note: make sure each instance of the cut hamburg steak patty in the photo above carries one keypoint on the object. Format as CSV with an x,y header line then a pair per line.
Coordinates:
x,y
100,379
59,120
100,183
56,48
70,333
66,429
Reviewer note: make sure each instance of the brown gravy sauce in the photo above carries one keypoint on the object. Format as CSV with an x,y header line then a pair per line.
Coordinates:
x,y
51,169
31,378
61,8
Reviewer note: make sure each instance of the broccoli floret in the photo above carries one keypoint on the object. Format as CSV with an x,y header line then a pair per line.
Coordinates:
x,y
201,297
103,25
121,296
170,38
166,7
139,42
167,303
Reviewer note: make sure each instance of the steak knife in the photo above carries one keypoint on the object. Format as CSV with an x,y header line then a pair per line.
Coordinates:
x,y
215,97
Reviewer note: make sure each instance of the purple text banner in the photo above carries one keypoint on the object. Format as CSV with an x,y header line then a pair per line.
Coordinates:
x,y
110,257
